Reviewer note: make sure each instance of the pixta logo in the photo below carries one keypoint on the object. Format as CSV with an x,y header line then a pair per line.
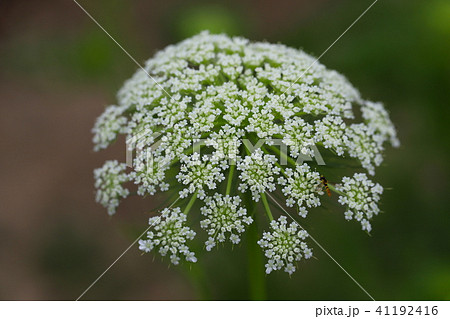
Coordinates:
x,y
136,144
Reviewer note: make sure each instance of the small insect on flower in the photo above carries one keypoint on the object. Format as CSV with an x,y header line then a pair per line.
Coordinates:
x,y
325,184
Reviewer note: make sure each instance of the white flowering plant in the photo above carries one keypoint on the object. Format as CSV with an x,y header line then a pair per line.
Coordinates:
x,y
204,116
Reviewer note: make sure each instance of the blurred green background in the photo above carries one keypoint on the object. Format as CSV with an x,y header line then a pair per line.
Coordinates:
x,y
58,71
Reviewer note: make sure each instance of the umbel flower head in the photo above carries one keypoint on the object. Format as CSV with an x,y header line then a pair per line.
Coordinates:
x,y
224,216
221,122
170,235
284,245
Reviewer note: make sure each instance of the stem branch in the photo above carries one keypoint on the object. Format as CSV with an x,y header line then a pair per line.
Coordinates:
x,y
190,204
230,179
256,274
266,206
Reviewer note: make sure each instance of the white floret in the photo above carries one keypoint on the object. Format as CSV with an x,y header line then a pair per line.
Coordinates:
x,y
224,217
169,234
301,186
361,197
258,173
284,246
109,180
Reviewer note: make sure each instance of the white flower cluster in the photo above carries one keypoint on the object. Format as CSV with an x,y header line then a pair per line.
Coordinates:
x,y
362,145
108,126
361,197
108,182
211,94
149,172
298,136
170,234
301,187
258,173
226,142
224,216
330,131
284,246
197,172
377,118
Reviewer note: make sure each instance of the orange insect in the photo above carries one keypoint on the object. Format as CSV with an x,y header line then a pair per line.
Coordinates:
x,y
325,184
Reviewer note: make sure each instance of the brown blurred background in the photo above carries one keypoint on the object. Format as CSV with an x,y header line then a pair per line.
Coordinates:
x,y
58,71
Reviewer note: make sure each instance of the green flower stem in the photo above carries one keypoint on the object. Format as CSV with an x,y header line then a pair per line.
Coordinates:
x,y
266,206
196,275
230,179
190,204
256,275
247,150
194,271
